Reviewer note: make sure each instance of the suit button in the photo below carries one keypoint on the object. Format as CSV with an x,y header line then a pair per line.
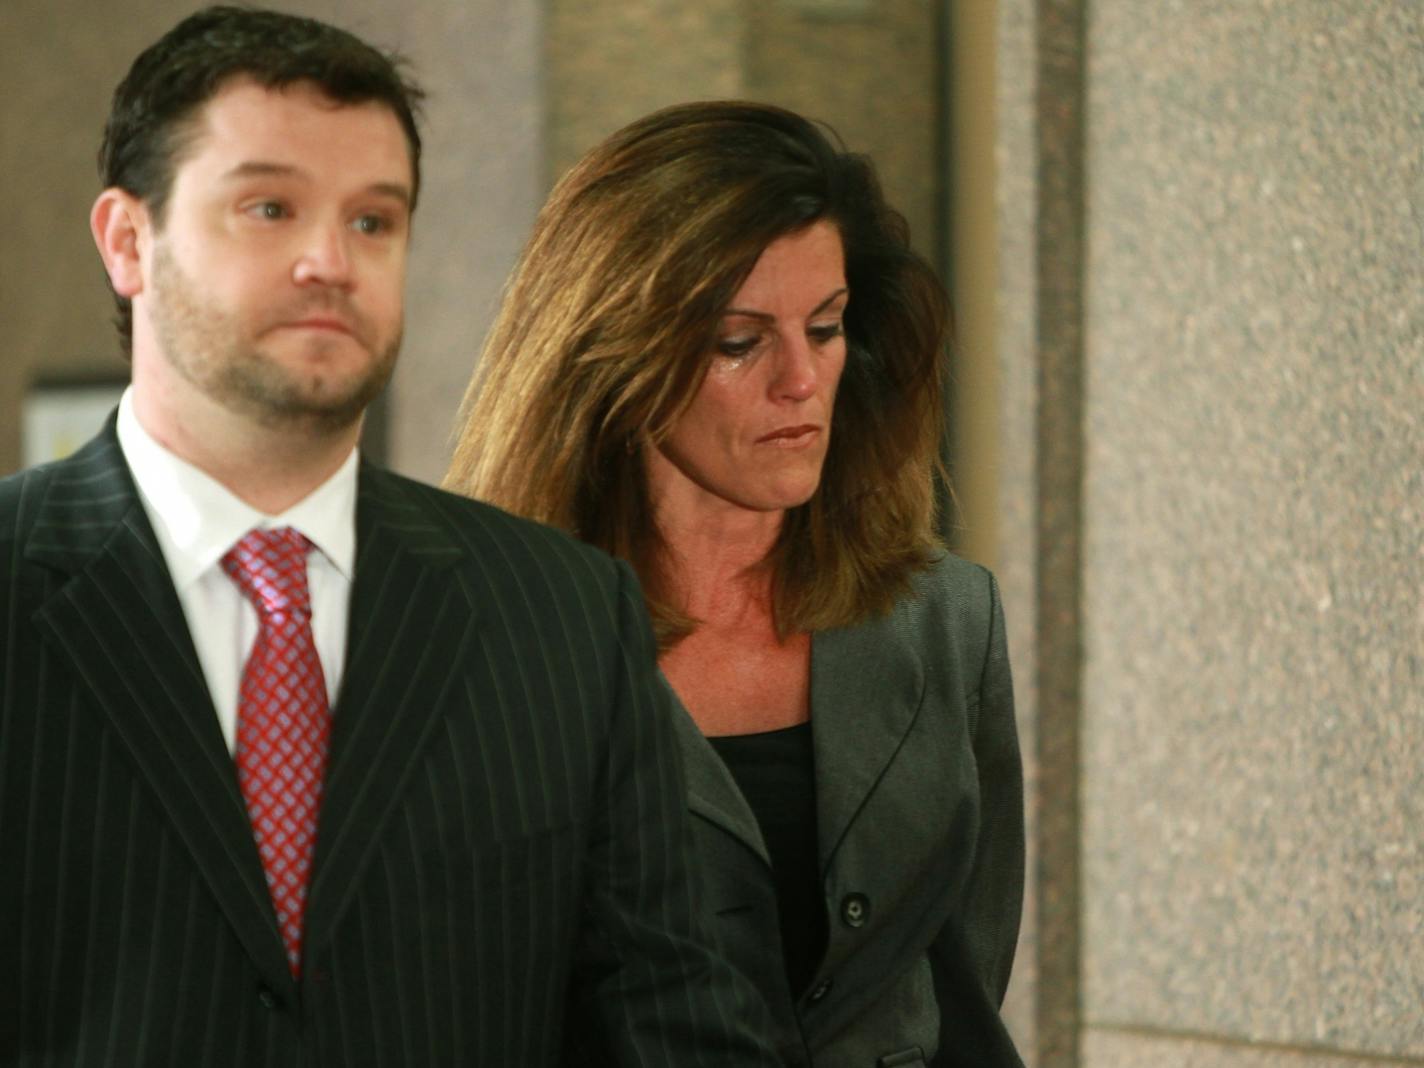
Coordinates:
x,y
267,999
855,910
821,990
906,1058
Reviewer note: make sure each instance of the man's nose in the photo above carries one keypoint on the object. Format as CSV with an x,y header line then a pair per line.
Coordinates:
x,y
325,257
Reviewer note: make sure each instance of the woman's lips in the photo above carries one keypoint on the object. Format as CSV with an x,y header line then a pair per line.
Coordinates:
x,y
791,436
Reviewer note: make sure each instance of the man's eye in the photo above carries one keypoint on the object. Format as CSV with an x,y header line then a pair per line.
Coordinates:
x,y
371,224
268,209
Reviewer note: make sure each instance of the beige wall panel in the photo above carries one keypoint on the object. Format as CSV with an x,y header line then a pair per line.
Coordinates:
x,y
871,70
61,62
609,62
482,171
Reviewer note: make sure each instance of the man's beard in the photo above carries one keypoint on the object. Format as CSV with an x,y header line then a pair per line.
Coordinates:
x,y
217,353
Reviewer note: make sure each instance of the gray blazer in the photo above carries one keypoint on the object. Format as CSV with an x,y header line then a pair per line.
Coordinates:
x,y
920,810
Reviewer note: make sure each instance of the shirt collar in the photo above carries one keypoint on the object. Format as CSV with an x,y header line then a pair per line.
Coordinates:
x,y
197,518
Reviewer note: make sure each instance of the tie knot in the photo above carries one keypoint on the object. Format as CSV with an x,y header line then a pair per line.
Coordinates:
x,y
270,568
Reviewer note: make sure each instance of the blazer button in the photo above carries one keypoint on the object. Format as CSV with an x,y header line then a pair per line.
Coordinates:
x,y
821,989
267,999
855,910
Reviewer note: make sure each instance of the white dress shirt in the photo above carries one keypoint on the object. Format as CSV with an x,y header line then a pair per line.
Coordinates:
x,y
197,520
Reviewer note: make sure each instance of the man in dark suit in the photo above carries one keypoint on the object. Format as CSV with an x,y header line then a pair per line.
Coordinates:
x,y
302,762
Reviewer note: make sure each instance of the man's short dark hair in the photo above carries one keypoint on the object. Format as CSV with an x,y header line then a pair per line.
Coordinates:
x,y
154,106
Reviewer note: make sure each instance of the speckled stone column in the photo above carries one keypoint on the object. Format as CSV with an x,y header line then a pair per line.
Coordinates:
x,y
1245,613
1212,360
1253,743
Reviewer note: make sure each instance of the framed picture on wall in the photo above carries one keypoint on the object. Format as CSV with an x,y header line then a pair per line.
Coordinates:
x,y
57,417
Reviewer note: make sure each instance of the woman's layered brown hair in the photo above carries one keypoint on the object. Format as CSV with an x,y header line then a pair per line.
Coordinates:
x,y
608,326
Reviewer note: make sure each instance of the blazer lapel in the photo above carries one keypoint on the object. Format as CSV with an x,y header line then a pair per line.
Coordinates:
x,y
411,631
712,793
866,686
118,622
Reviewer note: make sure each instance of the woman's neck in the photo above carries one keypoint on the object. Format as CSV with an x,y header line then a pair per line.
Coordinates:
x,y
712,563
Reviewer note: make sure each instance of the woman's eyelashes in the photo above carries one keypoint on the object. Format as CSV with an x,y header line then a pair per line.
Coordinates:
x,y
735,346
738,346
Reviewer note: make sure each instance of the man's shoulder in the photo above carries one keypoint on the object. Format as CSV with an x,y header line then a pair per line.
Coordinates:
x,y
544,587
85,491
488,534
14,487
23,498
20,496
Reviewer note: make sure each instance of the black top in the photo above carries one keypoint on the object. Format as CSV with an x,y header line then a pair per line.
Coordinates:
x,y
776,773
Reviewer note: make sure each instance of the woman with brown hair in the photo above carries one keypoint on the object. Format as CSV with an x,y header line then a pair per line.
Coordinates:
x,y
720,360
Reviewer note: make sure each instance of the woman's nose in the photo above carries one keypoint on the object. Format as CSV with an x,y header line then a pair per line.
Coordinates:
x,y
796,371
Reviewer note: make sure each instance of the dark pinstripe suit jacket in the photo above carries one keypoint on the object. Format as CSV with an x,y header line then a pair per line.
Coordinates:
x,y
919,799
503,836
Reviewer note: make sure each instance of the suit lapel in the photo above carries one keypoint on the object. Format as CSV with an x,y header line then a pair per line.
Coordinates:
x,y
118,622
411,632
712,793
867,683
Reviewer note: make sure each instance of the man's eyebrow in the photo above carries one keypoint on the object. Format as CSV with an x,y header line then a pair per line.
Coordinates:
x,y
767,317
392,189
263,168
259,168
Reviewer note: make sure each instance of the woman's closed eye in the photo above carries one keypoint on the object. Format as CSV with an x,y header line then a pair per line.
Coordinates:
x,y
735,346
825,333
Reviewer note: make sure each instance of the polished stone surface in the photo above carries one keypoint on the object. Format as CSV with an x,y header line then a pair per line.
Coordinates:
x,y
1254,651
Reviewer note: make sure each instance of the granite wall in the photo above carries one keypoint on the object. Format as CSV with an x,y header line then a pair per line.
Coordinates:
x,y
1212,355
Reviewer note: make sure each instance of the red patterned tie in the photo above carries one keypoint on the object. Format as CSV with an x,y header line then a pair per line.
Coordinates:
x,y
282,719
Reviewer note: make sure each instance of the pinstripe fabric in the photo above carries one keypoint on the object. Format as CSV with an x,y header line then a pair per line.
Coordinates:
x,y
503,839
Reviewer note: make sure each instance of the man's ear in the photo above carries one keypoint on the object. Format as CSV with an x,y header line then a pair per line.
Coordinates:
x,y
119,222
